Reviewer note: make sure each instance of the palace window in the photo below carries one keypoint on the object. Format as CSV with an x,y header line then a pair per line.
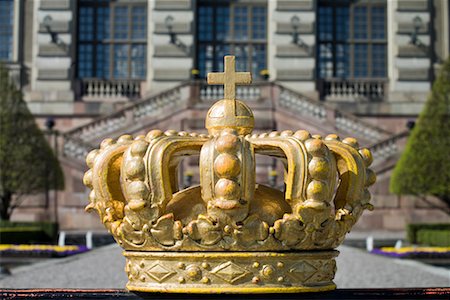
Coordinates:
x,y
112,39
235,28
352,39
6,29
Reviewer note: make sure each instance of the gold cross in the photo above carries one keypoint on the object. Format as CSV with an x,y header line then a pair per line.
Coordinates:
x,y
230,78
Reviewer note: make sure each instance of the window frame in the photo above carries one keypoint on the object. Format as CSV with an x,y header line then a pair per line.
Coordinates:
x,y
111,41
351,41
232,42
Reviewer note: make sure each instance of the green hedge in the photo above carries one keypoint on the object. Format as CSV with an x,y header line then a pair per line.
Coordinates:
x,y
27,232
429,234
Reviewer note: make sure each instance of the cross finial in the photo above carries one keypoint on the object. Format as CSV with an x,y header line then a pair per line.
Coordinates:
x,y
230,78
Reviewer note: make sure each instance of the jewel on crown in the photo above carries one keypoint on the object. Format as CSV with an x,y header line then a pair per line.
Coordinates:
x,y
229,234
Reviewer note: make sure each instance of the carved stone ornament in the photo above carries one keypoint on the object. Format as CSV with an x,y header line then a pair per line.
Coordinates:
x,y
229,234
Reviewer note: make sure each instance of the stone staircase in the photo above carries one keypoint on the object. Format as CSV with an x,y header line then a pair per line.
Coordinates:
x,y
148,112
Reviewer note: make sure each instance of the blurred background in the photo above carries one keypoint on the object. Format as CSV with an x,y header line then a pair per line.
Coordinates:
x,y
74,72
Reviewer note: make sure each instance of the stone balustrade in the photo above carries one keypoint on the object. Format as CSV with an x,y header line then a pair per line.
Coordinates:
x,y
215,92
355,89
112,89
300,104
338,119
76,148
389,147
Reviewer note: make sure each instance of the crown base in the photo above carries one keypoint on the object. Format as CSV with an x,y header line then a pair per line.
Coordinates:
x,y
231,272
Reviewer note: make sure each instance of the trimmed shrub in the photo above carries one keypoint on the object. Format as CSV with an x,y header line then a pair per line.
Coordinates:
x,y
27,232
429,234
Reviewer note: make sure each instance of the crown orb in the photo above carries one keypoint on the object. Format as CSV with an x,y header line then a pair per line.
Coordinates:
x,y
227,165
230,114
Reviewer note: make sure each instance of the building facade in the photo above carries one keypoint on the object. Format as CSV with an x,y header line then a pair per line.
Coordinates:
x,y
367,64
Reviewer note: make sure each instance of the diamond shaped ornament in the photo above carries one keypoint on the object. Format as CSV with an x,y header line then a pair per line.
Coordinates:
x,y
230,272
159,273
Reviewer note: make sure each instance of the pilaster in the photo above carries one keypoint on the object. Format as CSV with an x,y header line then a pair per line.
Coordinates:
x,y
52,63
292,64
170,60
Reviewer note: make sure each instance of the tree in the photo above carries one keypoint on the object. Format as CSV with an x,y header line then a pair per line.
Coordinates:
x,y
424,167
27,162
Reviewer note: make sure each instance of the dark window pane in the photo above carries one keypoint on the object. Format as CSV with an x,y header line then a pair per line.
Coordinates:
x,y
378,23
6,29
360,23
231,28
112,39
345,48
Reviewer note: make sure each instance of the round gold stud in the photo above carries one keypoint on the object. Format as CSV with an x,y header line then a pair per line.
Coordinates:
x,y
227,165
170,132
135,168
105,143
140,137
87,179
92,196
181,265
227,143
317,190
255,265
90,158
138,148
181,279
351,142
332,137
280,265
142,278
205,265
193,272
302,135
124,139
370,177
153,134
319,168
142,264
205,280
274,134
138,189
317,136
280,279
315,147
183,133
287,133
267,271
227,189
367,156
194,134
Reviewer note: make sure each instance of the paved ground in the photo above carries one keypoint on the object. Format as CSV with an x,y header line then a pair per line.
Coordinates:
x,y
103,268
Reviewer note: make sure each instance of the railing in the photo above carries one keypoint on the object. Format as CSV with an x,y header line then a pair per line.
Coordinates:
x,y
389,147
356,89
321,112
114,89
128,116
215,92
302,105
76,148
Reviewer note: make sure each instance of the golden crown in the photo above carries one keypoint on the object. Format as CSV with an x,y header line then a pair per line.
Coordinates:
x,y
229,234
